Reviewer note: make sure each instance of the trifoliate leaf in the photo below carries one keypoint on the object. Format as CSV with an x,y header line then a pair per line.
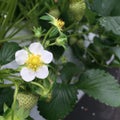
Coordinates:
x,y
62,102
103,7
7,52
100,85
111,24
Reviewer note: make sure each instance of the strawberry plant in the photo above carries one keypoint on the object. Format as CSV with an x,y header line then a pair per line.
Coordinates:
x,y
50,49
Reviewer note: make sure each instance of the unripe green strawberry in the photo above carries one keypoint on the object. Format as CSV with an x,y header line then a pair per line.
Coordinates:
x,y
27,100
80,43
72,40
77,9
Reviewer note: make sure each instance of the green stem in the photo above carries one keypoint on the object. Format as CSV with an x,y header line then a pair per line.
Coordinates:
x,y
13,79
71,26
33,9
17,38
51,44
42,10
14,99
87,51
37,84
47,35
6,85
72,35
15,95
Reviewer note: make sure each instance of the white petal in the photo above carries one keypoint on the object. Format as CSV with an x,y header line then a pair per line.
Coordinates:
x,y
46,56
21,56
35,47
27,74
42,72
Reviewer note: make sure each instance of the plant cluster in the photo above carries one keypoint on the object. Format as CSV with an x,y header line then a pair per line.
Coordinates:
x,y
50,49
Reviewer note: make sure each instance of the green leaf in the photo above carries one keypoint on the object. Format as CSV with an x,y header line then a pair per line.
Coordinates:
x,y
19,113
103,7
62,102
111,24
91,16
6,96
100,85
68,71
46,17
54,32
116,9
116,51
7,52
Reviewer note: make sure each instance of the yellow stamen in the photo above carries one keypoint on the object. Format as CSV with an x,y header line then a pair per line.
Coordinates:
x,y
34,62
60,23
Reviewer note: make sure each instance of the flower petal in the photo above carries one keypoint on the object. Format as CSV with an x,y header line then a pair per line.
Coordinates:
x,y
46,56
21,56
27,74
42,72
35,48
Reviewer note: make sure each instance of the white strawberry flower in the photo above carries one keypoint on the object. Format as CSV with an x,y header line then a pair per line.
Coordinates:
x,y
34,62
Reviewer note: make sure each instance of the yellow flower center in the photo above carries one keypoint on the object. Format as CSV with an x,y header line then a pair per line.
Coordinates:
x,y
34,62
60,23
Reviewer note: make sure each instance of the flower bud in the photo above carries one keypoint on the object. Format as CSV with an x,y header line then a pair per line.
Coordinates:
x,y
61,40
37,32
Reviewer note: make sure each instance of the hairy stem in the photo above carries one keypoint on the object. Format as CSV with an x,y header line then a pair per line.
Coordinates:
x,y
37,84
